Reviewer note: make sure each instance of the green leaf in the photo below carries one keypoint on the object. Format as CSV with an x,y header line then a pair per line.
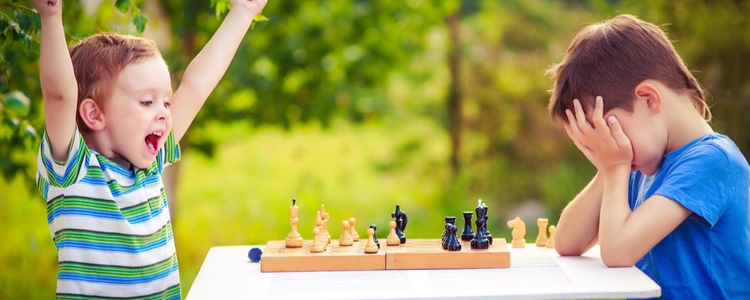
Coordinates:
x,y
17,102
260,18
30,131
122,5
140,23
22,19
36,20
220,6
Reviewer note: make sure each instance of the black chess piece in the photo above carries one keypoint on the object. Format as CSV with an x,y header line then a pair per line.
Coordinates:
x,y
375,236
468,233
401,221
453,243
445,235
480,241
484,228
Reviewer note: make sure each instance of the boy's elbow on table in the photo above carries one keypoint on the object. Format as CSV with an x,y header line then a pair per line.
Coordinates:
x,y
617,258
568,249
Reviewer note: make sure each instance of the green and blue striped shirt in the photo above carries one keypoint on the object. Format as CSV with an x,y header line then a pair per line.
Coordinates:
x,y
111,226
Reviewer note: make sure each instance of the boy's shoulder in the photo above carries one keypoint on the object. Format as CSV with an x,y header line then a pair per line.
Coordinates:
x,y
718,148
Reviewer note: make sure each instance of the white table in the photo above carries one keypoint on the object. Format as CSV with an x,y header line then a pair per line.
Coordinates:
x,y
535,273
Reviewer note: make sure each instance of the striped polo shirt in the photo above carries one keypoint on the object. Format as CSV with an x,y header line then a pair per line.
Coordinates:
x,y
111,226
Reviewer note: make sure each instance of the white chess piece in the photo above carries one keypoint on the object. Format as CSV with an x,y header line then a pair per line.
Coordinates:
x,y
346,238
371,247
294,239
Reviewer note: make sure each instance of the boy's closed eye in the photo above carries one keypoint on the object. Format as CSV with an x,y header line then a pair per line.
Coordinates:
x,y
147,102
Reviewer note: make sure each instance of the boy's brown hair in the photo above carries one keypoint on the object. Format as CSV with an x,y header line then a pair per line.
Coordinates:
x,y
99,59
610,59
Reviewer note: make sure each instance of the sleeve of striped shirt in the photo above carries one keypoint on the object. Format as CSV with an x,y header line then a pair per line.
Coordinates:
x,y
61,173
168,154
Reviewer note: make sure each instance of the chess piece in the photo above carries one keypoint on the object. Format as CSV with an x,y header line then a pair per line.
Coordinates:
x,y
480,241
401,221
352,231
445,235
317,245
374,236
453,243
318,220
346,237
294,239
541,239
484,228
392,237
326,234
518,233
319,226
371,247
551,240
468,233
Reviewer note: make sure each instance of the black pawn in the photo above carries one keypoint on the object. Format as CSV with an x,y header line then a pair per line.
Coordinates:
x,y
375,236
484,228
453,244
468,233
444,237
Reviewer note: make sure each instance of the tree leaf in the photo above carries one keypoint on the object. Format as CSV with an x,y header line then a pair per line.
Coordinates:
x,y
36,20
16,102
260,18
22,19
30,131
221,6
140,23
122,5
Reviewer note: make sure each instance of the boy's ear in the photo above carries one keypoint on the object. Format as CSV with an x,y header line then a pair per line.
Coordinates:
x,y
91,114
647,92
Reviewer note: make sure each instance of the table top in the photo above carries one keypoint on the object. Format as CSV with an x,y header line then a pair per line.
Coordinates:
x,y
535,273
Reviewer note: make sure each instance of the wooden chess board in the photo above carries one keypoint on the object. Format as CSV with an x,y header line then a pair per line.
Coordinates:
x,y
414,254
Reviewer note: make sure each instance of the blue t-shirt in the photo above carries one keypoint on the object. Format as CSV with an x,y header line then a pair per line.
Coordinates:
x,y
708,255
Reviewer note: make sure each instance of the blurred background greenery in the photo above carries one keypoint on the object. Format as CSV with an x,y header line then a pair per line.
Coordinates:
x,y
358,105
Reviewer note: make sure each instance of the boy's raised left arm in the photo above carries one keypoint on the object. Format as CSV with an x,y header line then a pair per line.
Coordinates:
x,y
208,67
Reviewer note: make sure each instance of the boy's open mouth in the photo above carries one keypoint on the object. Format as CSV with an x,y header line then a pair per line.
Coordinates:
x,y
152,141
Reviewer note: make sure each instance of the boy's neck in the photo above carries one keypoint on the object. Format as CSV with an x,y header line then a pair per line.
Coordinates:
x,y
685,123
98,142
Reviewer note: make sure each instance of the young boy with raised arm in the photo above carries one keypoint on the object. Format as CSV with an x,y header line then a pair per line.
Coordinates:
x,y
112,125
670,195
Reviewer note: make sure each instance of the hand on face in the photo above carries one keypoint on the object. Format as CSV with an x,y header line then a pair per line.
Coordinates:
x,y
48,7
253,7
604,143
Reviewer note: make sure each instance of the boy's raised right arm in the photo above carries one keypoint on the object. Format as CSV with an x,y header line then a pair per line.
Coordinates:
x,y
59,87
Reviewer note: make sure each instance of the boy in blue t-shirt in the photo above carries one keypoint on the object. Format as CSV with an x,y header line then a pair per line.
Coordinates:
x,y
671,195
112,124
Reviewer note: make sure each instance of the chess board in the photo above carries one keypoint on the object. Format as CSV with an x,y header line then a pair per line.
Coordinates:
x,y
414,254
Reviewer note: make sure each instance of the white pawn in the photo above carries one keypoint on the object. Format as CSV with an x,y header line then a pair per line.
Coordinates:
x,y
346,238
352,231
317,246
393,239
551,240
371,247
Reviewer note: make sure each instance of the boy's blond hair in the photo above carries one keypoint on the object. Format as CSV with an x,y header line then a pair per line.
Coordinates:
x,y
99,59
610,59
